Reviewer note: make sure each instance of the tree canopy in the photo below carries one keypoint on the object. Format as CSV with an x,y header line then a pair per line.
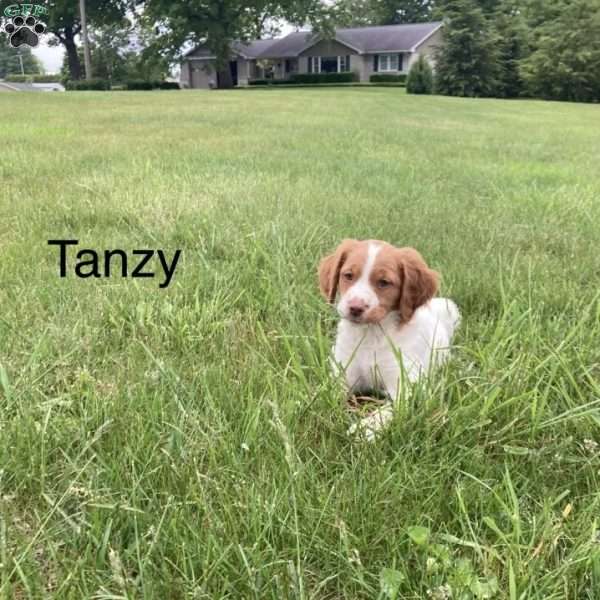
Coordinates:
x,y
10,64
64,23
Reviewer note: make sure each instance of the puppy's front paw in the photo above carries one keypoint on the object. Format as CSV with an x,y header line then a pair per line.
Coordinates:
x,y
369,427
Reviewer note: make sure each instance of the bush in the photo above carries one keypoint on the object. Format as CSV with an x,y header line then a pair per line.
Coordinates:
x,y
83,85
387,78
33,78
420,78
347,77
140,84
135,84
19,78
168,85
47,79
269,82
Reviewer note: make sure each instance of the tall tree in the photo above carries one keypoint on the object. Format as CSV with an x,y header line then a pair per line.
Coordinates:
x,y
121,52
217,23
512,35
10,63
467,61
63,20
565,63
356,13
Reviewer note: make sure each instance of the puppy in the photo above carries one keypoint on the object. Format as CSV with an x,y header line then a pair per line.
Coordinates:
x,y
392,329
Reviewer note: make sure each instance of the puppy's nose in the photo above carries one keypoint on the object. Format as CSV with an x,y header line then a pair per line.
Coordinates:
x,y
356,308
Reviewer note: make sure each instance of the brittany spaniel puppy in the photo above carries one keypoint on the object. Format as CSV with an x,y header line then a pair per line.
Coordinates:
x,y
392,330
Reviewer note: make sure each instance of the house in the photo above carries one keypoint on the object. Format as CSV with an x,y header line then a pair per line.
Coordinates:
x,y
364,50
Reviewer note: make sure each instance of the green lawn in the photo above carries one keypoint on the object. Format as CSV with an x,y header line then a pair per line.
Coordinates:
x,y
188,442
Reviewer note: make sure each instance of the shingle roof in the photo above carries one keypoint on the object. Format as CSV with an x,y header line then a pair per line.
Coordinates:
x,y
365,40
254,48
386,37
290,45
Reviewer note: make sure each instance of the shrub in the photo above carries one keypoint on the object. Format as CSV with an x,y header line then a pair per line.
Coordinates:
x,y
19,78
33,78
168,85
347,77
420,78
138,84
387,78
47,79
269,82
83,85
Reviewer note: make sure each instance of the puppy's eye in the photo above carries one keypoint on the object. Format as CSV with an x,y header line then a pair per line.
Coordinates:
x,y
348,276
383,283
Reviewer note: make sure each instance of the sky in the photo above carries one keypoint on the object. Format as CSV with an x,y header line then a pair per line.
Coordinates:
x,y
51,57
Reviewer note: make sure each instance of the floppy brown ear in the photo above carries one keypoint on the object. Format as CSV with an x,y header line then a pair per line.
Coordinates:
x,y
419,282
329,270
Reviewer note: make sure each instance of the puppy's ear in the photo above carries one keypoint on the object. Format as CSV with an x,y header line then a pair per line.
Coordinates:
x,y
329,270
419,282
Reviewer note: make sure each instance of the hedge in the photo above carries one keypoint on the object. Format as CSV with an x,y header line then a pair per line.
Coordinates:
x,y
134,84
387,78
82,85
268,82
346,77
310,78
37,78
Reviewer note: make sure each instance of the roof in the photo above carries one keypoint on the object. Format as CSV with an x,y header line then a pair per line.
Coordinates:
x,y
291,45
364,40
402,38
254,48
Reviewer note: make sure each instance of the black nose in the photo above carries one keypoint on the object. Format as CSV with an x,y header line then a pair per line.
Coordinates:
x,y
356,311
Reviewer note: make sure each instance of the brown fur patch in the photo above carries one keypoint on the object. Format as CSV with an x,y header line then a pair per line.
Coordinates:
x,y
400,277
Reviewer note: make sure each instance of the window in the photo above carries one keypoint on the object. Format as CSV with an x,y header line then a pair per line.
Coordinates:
x,y
344,63
388,62
328,64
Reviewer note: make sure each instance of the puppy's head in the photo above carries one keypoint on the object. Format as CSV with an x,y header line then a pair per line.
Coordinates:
x,y
374,278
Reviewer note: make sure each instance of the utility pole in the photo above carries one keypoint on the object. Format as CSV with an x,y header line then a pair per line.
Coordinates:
x,y
84,37
21,62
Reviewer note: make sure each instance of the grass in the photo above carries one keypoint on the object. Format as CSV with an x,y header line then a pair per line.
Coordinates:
x,y
189,442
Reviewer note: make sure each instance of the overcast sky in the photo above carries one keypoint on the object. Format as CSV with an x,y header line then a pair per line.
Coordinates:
x,y
51,57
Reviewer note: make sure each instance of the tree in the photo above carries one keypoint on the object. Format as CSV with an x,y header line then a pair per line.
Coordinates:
x,y
120,53
10,64
420,77
63,21
217,23
565,62
357,13
512,35
467,61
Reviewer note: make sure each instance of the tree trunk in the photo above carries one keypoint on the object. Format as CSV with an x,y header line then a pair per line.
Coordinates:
x,y
72,55
224,79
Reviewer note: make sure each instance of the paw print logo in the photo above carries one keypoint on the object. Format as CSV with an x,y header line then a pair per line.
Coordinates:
x,y
24,31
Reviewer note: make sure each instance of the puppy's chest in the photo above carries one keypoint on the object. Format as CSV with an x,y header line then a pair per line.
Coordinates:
x,y
364,351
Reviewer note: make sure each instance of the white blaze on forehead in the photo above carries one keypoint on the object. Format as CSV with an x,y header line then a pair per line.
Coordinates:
x,y
362,289
371,256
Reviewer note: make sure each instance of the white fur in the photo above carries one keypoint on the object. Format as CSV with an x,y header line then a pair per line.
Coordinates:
x,y
361,289
385,355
